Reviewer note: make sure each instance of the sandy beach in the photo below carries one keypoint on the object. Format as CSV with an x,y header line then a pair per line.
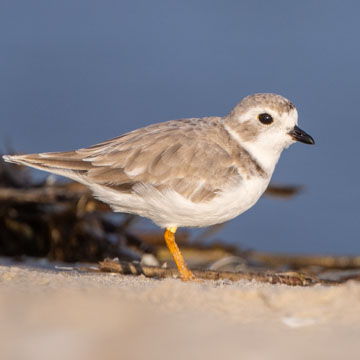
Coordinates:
x,y
62,313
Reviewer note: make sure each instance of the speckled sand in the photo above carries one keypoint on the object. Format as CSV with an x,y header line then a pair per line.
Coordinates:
x,y
59,314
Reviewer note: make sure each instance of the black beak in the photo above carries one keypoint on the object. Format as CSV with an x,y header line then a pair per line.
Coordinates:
x,y
300,135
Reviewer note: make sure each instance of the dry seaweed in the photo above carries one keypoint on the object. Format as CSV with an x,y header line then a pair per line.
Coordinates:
x,y
60,221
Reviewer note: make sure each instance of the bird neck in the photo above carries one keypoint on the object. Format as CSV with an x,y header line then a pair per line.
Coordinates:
x,y
265,155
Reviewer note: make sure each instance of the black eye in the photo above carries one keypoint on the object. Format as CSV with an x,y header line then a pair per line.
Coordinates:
x,y
265,118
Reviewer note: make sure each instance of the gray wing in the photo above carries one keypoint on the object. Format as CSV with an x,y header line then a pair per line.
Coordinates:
x,y
188,156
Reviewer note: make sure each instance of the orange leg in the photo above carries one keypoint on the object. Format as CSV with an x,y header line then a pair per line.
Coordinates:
x,y
184,271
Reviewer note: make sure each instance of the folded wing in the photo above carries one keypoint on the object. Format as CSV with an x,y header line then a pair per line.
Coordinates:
x,y
182,155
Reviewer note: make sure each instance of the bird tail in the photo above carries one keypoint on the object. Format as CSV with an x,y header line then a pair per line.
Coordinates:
x,y
69,164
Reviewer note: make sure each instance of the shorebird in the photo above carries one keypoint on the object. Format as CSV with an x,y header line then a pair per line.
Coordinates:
x,y
185,173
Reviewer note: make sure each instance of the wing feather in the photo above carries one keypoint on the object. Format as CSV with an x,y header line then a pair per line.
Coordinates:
x,y
189,156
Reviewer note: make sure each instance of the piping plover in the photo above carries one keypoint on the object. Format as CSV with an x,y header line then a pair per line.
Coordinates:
x,y
185,173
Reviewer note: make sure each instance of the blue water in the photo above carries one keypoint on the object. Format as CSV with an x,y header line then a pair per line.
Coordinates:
x,y
73,73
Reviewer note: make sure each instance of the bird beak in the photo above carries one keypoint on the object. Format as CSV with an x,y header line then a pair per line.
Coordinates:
x,y
300,135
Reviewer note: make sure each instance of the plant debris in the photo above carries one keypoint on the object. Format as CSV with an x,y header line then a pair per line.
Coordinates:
x,y
60,221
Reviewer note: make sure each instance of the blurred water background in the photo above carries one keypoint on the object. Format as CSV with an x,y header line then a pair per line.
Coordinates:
x,y
76,72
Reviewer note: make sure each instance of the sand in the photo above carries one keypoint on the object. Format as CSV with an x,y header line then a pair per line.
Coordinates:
x,y
66,314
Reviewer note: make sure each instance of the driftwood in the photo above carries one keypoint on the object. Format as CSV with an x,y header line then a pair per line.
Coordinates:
x,y
305,261
287,278
283,191
43,195
127,268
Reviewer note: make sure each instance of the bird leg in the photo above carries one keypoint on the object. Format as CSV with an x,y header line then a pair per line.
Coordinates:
x,y
169,236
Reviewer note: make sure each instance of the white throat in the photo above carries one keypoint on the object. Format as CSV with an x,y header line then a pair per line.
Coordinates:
x,y
266,158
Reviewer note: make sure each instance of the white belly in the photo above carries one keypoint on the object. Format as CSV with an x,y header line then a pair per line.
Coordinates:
x,y
168,208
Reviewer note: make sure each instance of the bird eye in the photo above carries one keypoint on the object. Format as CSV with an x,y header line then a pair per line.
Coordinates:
x,y
265,118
